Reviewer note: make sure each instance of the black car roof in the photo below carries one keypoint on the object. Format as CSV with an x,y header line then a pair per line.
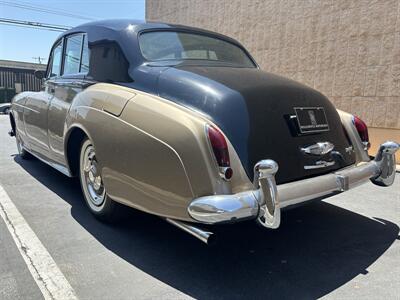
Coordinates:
x,y
135,26
120,37
119,25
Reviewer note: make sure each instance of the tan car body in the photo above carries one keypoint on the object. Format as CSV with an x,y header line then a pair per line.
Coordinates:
x,y
153,153
159,134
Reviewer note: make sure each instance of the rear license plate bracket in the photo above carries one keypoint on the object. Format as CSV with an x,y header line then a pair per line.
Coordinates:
x,y
311,119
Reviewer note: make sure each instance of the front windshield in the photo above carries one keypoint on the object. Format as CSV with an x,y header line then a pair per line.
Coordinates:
x,y
170,45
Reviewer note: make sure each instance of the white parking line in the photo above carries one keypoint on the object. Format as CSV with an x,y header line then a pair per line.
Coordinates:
x,y
44,270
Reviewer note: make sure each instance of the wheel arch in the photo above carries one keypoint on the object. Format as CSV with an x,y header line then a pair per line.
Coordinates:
x,y
73,141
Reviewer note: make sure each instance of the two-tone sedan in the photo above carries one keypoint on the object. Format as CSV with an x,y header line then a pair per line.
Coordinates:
x,y
182,123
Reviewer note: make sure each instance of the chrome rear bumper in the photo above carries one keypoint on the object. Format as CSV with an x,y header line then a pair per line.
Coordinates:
x,y
265,201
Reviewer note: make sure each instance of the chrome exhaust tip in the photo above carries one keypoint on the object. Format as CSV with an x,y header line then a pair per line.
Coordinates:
x,y
206,237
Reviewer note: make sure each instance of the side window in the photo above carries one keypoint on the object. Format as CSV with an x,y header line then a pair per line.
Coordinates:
x,y
85,56
72,54
55,67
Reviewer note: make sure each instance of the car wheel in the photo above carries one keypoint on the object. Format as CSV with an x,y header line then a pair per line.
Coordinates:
x,y
94,192
21,151
7,111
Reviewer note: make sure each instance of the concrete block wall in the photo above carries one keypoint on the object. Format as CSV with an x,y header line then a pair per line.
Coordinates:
x,y
347,49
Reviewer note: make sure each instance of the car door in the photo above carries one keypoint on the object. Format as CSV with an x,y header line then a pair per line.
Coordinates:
x,y
37,105
75,62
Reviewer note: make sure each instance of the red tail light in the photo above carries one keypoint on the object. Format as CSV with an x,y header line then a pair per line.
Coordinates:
x,y
220,149
362,130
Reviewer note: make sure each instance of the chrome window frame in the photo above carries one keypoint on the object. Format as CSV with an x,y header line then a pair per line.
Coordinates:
x,y
65,41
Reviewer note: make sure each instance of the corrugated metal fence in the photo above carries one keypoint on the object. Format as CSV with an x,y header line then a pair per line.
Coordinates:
x,y
10,76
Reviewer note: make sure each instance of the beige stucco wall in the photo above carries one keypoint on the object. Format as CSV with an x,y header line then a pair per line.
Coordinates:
x,y
347,49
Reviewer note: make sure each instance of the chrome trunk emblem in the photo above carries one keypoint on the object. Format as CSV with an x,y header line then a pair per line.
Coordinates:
x,y
349,149
320,164
320,148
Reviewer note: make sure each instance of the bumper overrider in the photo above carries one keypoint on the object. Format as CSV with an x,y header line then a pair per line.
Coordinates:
x,y
265,201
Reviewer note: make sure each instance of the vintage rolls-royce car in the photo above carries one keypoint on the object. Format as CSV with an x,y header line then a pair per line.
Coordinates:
x,y
182,123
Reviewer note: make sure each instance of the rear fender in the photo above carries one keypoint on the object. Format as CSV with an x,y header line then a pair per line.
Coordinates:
x,y
361,154
153,156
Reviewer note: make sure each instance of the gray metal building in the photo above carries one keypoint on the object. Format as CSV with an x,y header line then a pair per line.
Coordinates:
x,y
16,77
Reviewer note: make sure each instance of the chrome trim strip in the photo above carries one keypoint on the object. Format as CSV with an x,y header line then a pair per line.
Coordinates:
x,y
319,164
26,107
56,166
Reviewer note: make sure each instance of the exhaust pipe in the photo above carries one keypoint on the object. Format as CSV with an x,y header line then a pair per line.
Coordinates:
x,y
205,236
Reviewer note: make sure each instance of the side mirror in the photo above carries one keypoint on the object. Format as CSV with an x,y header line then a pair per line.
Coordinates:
x,y
40,74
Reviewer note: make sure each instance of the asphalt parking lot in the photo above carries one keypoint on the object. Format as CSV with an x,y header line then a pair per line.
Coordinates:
x,y
346,247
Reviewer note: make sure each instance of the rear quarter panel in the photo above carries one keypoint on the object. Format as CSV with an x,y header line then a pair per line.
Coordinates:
x,y
346,119
154,155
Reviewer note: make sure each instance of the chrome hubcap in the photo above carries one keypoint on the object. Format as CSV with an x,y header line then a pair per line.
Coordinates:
x,y
92,177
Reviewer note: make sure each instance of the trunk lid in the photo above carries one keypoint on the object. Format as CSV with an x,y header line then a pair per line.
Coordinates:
x,y
256,111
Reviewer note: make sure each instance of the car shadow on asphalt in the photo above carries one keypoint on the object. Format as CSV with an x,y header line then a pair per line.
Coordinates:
x,y
318,248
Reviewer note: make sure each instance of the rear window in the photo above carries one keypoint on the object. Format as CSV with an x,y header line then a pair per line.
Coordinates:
x,y
170,45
